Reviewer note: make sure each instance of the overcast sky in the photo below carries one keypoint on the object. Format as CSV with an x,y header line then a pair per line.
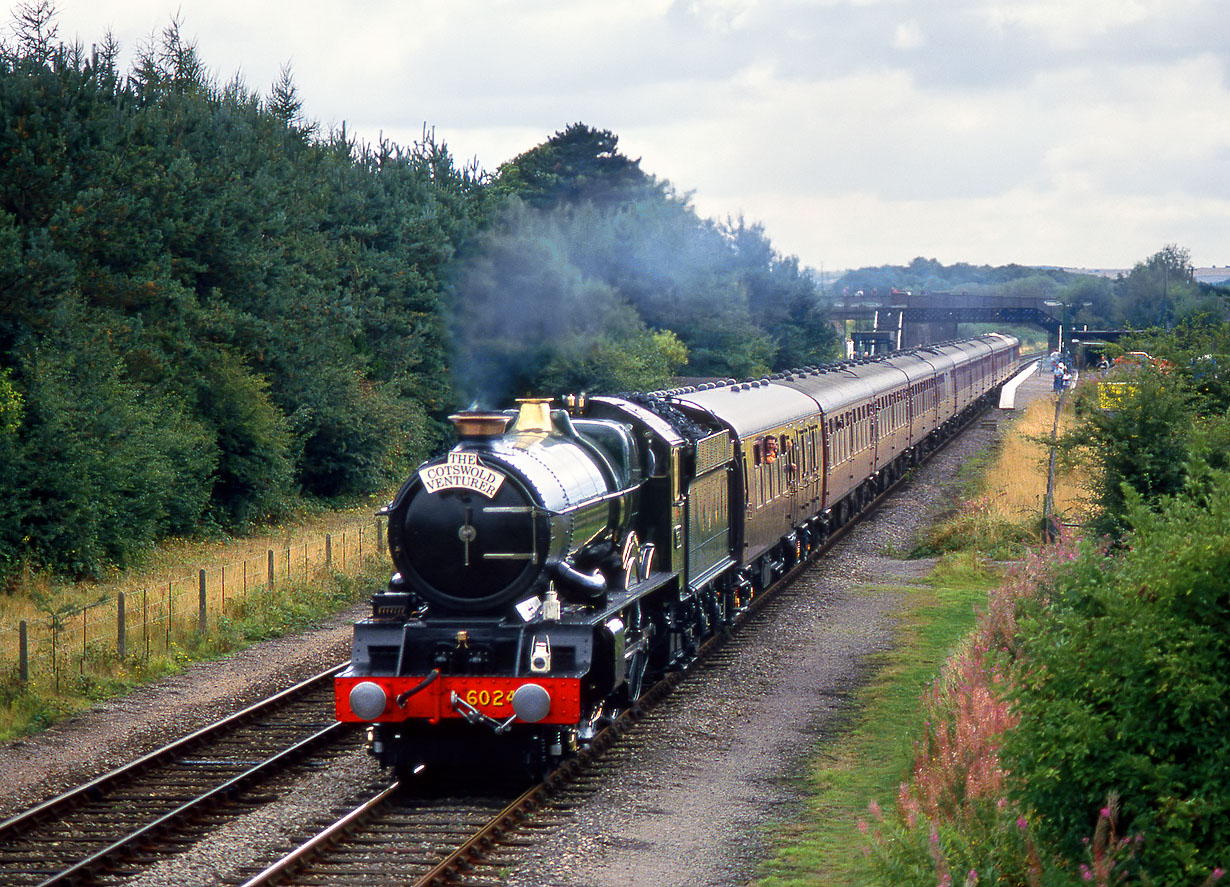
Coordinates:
x,y
1083,133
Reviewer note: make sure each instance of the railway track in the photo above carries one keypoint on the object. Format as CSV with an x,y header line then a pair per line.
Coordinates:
x,y
96,832
401,836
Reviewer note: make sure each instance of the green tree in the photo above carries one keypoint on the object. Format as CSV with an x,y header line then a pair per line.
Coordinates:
x,y
1198,352
738,307
103,467
1090,300
528,317
260,307
1142,445
1151,292
578,164
784,302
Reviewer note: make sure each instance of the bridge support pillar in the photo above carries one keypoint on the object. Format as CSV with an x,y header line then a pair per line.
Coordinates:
x,y
915,334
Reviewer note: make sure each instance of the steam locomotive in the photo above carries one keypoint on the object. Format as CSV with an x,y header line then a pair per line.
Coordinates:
x,y
557,559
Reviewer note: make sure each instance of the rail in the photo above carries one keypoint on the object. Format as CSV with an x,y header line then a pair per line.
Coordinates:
x,y
70,838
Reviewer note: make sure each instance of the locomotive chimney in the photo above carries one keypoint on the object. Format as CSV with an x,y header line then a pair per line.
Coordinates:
x,y
472,425
535,416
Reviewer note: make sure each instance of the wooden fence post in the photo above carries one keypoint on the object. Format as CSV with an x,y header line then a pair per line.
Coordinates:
x,y
328,550
121,632
23,645
271,569
201,620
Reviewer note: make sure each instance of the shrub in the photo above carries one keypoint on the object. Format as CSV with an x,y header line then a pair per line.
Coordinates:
x,y
1123,685
1143,445
974,528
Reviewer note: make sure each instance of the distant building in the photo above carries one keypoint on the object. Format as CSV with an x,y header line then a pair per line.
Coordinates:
x,y
1212,274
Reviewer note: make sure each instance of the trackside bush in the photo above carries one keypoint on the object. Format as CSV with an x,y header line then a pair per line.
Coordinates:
x,y
1122,688
1144,444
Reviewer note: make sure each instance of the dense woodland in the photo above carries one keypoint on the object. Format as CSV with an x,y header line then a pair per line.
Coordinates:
x,y
211,310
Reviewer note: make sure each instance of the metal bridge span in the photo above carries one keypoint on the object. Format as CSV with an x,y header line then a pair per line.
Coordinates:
x,y
902,320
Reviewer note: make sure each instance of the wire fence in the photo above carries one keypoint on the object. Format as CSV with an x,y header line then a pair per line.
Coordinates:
x,y
152,622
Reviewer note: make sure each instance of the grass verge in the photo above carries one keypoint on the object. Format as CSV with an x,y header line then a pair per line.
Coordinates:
x,y
825,848
293,606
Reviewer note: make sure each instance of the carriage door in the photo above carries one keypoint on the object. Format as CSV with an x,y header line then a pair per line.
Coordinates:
x,y
800,482
875,406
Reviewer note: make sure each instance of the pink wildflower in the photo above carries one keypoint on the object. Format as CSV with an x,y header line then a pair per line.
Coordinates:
x,y
1022,823
862,826
1086,874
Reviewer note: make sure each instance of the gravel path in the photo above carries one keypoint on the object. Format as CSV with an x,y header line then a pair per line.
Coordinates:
x,y
692,808
121,730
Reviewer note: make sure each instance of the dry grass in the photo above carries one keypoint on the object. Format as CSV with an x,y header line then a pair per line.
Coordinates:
x,y
1001,516
179,560
1014,485
77,653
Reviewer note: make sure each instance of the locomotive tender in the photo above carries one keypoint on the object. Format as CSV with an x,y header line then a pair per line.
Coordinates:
x,y
554,560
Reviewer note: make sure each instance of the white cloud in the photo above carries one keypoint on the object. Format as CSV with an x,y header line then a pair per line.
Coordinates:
x,y
908,35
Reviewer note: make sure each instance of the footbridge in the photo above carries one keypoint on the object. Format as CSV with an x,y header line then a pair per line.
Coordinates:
x,y
898,319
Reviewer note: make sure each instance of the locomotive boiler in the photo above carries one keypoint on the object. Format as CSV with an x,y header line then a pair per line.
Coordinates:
x,y
555,559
